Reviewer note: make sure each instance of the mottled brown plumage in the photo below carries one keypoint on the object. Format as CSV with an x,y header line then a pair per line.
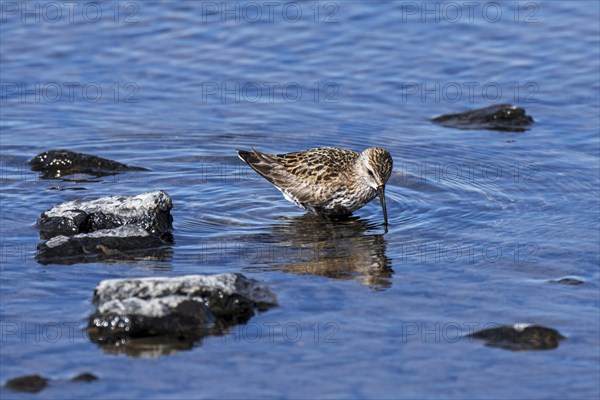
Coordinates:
x,y
326,181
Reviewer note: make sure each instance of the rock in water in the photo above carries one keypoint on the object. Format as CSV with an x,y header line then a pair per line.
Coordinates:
x,y
569,281
27,384
500,117
106,229
85,377
59,163
36,383
172,312
150,211
127,242
520,336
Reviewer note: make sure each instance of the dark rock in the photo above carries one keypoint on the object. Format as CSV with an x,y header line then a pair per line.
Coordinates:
x,y
85,377
28,384
59,163
157,315
520,337
569,281
150,211
106,229
500,117
127,242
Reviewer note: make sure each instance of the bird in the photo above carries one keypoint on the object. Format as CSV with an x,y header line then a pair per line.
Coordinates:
x,y
327,181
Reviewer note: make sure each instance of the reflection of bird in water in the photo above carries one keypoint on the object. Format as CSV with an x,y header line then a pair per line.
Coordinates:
x,y
340,249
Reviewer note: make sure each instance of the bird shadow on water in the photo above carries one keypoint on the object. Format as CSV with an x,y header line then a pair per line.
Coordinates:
x,y
349,248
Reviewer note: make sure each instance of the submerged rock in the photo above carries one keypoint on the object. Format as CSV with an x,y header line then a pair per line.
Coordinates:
x,y
172,313
85,377
569,281
123,243
150,211
37,383
58,163
520,336
500,117
27,383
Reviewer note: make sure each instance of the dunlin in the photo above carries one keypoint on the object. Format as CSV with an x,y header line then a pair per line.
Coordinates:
x,y
326,181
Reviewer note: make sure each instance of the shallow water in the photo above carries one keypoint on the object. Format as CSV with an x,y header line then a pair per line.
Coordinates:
x,y
480,221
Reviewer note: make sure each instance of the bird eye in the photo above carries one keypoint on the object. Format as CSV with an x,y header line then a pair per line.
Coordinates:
x,y
371,174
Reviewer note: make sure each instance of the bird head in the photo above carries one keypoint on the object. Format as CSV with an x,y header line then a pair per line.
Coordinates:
x,y
375,167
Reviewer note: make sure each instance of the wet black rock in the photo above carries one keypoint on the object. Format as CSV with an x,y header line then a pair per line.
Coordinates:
x,y
27,383
569,281
59,163
107,229
37,383
127,242
520,337
85,377
150,211
153,316
500,117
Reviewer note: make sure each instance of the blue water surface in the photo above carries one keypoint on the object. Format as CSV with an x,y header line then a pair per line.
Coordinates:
x,y
481,222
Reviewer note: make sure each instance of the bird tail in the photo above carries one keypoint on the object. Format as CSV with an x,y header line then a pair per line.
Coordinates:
x,y
260,162
248,157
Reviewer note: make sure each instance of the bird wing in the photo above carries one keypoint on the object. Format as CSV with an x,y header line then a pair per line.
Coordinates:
x,y
303,177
